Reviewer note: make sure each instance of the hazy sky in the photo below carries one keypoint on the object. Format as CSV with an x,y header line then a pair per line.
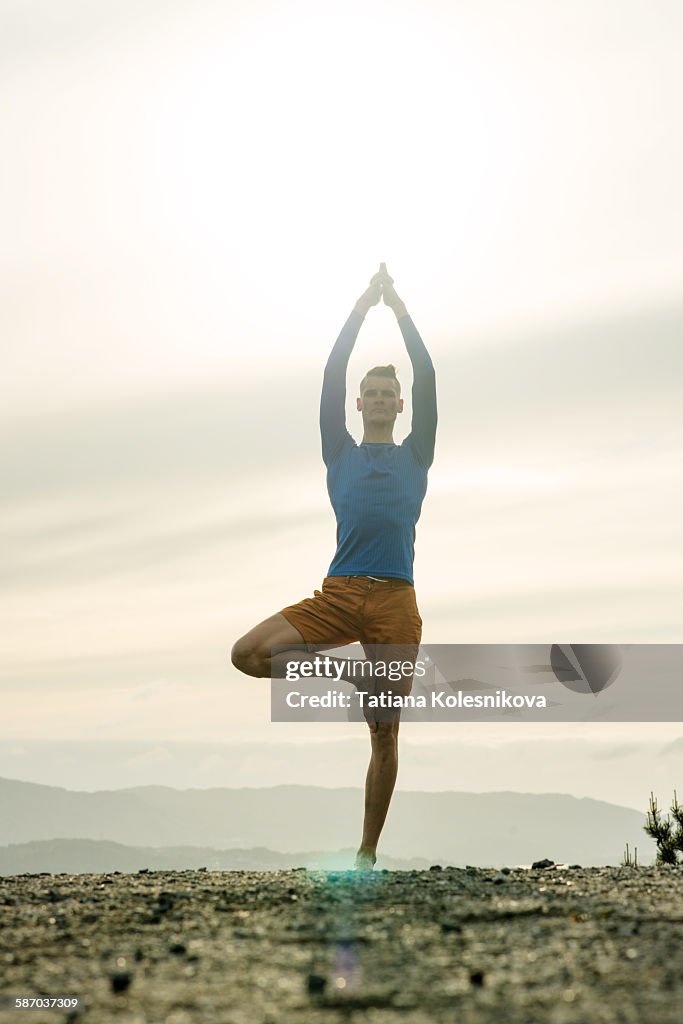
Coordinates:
x,y
192,197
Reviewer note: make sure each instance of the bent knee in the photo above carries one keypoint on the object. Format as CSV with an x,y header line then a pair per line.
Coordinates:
x,y
248,658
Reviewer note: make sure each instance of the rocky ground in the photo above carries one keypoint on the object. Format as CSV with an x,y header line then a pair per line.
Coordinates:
x,y
544,946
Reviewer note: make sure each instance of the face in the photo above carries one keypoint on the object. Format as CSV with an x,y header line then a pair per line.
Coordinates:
x,y
379,400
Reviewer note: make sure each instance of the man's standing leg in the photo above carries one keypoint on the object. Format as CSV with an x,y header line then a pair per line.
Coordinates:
x,y
392,629
383,768
379,787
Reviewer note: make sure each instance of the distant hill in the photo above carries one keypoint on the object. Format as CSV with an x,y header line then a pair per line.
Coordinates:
x,y
92,856
485,829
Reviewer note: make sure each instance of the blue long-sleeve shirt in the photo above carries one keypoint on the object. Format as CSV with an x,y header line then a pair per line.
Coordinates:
x,y
376,490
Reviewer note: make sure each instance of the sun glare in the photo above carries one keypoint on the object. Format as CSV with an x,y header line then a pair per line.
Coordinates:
x,y
314,143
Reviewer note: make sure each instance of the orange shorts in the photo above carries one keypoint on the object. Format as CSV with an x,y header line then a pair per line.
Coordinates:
x,y
358,608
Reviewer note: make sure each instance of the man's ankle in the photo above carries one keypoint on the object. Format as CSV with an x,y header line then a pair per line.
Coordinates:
x,y
365,858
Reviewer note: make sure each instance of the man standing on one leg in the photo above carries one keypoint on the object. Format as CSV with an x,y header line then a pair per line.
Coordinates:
x,y
376,489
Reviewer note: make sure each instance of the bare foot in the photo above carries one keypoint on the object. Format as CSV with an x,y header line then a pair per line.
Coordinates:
x,y
365,860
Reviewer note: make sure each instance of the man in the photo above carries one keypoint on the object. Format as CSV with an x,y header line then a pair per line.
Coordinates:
x,y
376,489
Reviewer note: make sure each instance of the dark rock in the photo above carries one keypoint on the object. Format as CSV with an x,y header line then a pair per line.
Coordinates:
x,y
450,926
120,981
316,984
477,978
178,949
500,879
540,864
505,871
436,867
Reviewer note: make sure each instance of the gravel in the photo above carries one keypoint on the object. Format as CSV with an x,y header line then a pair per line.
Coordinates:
x,y
550,946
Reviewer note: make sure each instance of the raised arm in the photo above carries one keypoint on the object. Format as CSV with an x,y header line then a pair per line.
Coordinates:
x,y
333,430
423,430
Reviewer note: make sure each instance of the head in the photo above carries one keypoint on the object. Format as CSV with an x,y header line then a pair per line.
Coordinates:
x,y
380,397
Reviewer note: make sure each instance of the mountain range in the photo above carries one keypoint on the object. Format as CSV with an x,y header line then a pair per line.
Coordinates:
x,y
482,829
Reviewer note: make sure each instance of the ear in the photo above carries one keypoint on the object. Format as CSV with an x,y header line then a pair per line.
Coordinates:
x,y
359,405
400,405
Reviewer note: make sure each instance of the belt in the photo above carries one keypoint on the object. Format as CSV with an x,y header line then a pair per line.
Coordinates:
x,y
377,579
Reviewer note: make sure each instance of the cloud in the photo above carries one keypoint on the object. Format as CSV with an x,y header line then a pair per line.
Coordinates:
x,y
673,749
211,436
150,758
622,750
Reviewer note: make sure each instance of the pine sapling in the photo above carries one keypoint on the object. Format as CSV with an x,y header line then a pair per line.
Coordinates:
x,y
667,832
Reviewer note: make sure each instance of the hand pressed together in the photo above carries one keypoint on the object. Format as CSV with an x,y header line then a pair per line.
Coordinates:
x,y
393,301
381,286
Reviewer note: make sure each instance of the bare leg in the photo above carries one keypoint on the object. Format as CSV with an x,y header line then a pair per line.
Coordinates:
x,y
379,787
253,654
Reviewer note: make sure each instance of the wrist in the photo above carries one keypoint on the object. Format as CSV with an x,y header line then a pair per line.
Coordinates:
x,y
361,307
400,310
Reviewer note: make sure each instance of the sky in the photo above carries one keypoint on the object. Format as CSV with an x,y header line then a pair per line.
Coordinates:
x,y
192,198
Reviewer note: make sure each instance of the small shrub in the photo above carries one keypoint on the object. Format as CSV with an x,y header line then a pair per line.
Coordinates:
x,y
630,860
667,832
